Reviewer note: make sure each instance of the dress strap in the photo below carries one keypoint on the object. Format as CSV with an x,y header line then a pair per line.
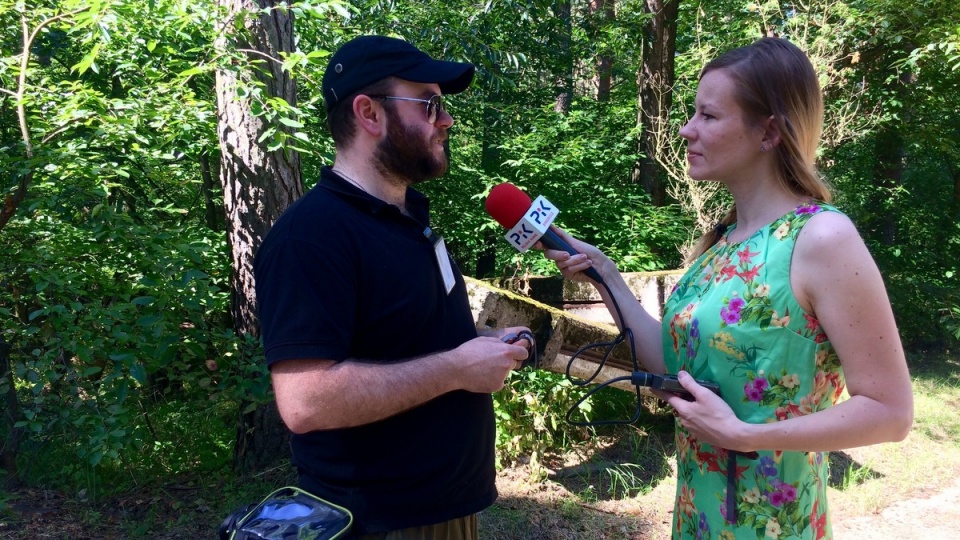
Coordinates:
x,y
731,498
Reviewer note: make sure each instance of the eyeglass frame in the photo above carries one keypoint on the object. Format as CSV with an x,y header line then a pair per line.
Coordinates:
x,y
437,109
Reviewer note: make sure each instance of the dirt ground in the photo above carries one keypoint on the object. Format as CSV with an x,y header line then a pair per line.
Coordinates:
x,y
558,509
928,510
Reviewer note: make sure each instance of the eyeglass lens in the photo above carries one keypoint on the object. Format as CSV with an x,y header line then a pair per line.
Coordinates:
x,y
434,108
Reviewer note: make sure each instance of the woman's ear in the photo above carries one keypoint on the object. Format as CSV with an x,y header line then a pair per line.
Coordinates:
x,y
771,132
369,115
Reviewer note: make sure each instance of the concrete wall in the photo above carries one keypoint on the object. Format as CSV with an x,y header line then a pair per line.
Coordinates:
x,y
564,317
650,288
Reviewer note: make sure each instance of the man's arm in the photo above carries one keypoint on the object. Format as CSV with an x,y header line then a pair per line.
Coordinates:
x,y
324,394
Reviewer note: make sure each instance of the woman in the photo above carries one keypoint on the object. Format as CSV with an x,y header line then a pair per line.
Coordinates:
x,y
782,306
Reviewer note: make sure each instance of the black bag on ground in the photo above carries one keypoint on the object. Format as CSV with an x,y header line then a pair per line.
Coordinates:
x,y
288,513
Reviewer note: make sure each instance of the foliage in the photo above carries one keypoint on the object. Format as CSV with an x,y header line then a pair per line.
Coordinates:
x,y
114,280
114,289
530,414
110,333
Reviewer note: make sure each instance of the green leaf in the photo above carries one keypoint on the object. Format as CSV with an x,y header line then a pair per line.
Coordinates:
x,y
139,373
88,61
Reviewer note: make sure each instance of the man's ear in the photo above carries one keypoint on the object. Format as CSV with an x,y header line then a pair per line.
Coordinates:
x,y
369,115
771,132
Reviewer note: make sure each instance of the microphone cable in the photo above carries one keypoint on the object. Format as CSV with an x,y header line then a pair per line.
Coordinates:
x,y
626,335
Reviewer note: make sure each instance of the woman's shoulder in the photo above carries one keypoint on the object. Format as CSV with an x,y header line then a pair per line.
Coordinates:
x,y
826,226
829,255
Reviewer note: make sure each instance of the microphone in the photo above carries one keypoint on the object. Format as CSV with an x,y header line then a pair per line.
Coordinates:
x,y
527,222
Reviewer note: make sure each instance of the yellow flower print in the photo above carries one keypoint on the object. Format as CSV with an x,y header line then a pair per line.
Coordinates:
x,y
762,290
822,357
727,535
723,342
773,528
685,503
683,446
777,320
782,231
790,381
752,495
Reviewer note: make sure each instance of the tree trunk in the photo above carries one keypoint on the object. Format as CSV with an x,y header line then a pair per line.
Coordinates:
x,y
955,200
604,11
490,157
258,185
891,156
564,83
213,214
656,80
10,416
889,176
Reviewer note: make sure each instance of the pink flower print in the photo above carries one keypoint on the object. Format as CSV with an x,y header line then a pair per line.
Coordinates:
x,y
818,521
731,312
727,273
813,325
754,390
746,255
751,273
789,492
785,493
811,208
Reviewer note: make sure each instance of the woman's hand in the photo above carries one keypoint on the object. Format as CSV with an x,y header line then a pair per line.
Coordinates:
x,y
573,266
707,418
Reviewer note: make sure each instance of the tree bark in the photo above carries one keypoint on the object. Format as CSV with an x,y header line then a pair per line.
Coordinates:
x,y
604,11
490,158
956,193
564,83
258,185
655,81
213,214
10,416
889,176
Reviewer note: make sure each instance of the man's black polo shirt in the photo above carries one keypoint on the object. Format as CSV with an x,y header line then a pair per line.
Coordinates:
x,y
344,275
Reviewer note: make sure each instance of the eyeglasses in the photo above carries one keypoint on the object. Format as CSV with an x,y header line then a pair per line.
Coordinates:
x,y
434,105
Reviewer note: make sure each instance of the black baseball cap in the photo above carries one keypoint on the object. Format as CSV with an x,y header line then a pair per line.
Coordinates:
x,y
365,60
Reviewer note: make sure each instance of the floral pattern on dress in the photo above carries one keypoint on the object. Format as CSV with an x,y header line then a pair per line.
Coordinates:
x,y
733,319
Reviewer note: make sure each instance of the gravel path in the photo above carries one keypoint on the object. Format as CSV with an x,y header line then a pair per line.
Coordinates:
x,y
933,518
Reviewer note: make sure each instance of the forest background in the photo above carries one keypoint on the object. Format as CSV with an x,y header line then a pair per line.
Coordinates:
x,y
147,145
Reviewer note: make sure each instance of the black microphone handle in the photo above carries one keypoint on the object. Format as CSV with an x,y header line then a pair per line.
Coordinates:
x,y
552,241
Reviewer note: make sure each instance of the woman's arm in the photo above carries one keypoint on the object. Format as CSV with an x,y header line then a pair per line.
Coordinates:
x,y
646,328
835,279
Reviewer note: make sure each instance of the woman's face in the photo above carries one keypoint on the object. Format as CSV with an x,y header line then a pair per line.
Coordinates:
x,y
720,145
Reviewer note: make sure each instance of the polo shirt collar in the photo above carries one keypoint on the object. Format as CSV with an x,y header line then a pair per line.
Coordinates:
x,y
417,203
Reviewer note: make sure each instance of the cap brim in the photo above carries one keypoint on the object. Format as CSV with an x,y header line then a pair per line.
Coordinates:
x,y
453,77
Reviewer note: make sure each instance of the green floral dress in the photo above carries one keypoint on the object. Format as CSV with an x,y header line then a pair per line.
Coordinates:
x,y
733,319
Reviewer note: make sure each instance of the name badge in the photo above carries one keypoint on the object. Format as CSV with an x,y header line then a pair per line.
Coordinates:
x,y
443,259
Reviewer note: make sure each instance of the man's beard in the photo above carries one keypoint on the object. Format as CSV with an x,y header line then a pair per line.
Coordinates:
x,y
405,154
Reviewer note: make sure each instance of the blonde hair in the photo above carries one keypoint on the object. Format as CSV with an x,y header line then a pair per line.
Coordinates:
x,y
773,77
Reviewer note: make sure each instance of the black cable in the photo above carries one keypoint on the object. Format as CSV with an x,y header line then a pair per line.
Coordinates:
x,y
637,378
626,334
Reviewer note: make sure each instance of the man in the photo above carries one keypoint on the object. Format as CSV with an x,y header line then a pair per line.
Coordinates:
x,y
375,359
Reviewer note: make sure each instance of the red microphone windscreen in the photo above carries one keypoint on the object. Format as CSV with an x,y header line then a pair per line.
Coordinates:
x,y
507,204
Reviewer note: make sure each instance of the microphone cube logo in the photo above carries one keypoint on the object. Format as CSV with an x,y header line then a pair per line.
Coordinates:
x,y
532,225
